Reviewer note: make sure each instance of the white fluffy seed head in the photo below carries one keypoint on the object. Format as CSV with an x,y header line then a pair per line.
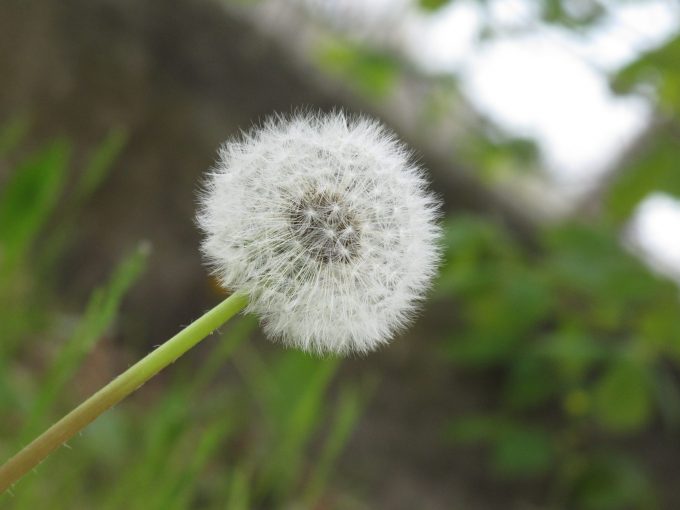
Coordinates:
x,y
326,224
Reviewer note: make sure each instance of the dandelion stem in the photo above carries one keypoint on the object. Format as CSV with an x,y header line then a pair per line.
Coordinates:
x,y
122,386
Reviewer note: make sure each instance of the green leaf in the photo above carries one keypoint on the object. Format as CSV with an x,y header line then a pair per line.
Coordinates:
x,y
374,73
432,5
531,381
657,69
517,450
653,169
623,398
474,249
498,154
611,482
571,353
595,279
475,429
500,319
523,451
574,15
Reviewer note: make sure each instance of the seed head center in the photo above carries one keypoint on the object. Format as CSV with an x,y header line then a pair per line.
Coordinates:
x,y
326,227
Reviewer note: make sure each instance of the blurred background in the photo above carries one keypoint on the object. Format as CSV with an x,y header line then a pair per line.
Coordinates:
x,y
544,372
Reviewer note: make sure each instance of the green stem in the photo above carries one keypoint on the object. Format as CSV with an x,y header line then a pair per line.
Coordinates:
x,y
122,386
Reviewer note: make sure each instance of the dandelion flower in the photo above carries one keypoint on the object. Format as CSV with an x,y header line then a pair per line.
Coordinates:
x,y
326,224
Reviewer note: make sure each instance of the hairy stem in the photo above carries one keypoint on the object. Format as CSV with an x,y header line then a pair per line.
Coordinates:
x,y
122,386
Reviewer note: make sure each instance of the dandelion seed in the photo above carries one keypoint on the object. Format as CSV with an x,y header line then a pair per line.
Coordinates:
x,y
326,224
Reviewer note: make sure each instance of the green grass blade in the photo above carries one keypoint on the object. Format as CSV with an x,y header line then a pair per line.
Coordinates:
x,y
27,201
99,165
239,491
99,315
348,412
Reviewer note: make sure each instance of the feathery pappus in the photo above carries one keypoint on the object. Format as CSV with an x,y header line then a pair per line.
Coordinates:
x,y
325,222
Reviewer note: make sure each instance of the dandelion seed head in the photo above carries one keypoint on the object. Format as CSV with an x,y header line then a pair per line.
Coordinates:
x,y
324,221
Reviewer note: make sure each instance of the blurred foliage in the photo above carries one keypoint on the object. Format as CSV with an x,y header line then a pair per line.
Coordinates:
x,y
573,14
204,440
656,75
493,152
587,344
653,167
374,73
583,337
433,5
